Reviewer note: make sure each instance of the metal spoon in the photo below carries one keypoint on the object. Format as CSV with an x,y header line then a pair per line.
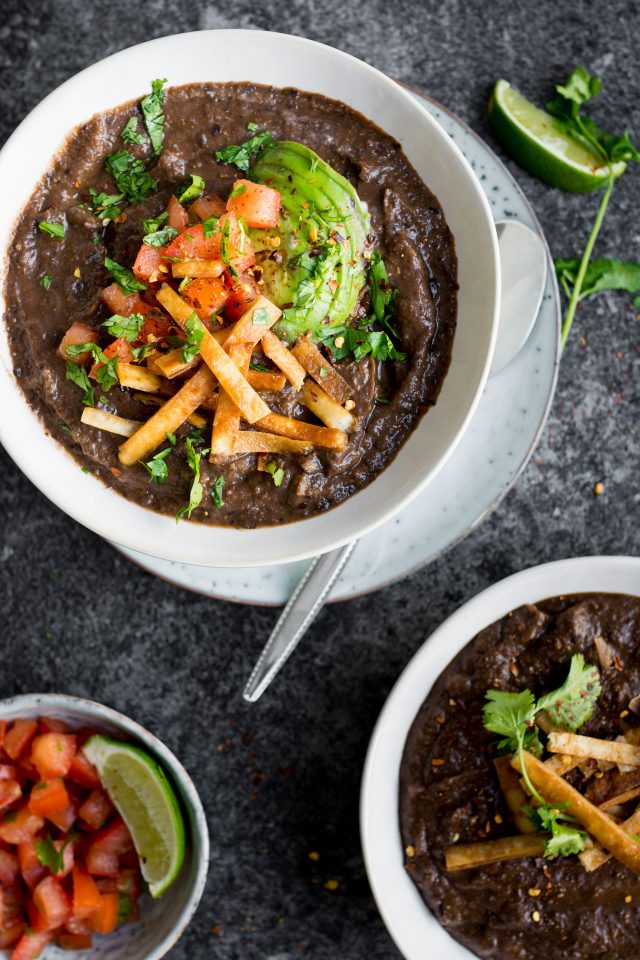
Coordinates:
x,y
524,274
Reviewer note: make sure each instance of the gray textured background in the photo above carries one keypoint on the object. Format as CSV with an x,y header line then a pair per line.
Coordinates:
x,y
281,779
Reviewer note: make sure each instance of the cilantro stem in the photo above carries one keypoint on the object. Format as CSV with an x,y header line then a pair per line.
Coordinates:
x,y
584,263
525,774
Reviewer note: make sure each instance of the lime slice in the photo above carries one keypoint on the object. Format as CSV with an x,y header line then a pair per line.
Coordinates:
x,y
140,791
541,145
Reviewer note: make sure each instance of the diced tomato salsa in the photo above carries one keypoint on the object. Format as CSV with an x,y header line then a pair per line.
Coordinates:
x,y
68,868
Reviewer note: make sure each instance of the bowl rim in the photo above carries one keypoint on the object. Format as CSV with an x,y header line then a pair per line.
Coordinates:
x,y
256,547
183,782
407,918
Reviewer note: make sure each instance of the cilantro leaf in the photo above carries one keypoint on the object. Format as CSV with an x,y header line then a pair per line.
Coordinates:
x,y
105,205
258,366
381,292
566,839
601,274
510,715
125,279
125,906
127,328
78,375
48,854
130,175
160,237
240,155
209,226
153,115
107,373
52,229
572,704
46,280
194,330
191,190
216,492
195,495
277,473
153,224
225,255
157,467
130,132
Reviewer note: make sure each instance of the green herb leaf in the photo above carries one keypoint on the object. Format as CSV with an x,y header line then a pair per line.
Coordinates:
x,y
566,839
157,466
153,224
252,127
49,856
216,492
46,280
238,190
153,115
78,375
52,229
125,906
224,249
107,374
258,366
510,715
105,205
160,237
193,189
194,330
276,472
209,226
601,274
130,133
127,328
381,292
125,279
240,156
572,704
130,175
195,496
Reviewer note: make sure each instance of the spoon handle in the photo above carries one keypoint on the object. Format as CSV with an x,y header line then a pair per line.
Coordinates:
x,y
305,604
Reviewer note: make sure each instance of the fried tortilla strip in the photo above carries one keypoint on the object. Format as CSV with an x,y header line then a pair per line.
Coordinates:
x,y
254,322
325,408
172,365
514,795
168,418
110,422
284,360
252,406
621,798
266,380
465,856
226,422
138,378
196,419
150,360
556,790
197,268
595,856
253,441
611,751
560,764
321,370
299,430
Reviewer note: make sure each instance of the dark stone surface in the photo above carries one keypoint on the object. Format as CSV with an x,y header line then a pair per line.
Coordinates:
x,y
281,779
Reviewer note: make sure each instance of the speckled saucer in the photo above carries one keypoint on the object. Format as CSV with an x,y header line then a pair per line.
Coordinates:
x,y
486,463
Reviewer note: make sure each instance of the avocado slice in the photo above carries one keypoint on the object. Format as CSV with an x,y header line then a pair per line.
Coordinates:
x,y
313,263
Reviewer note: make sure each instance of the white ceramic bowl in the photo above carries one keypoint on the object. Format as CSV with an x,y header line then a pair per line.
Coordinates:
x,y
163,921
248,55
416,932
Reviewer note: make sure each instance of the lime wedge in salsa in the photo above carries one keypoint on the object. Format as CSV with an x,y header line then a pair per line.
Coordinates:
x,y
140,791
542,146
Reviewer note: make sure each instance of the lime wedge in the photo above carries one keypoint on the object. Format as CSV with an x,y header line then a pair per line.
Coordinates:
x,y
140,791
540,144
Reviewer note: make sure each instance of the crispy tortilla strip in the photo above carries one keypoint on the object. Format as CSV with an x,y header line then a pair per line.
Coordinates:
x,y
465,856
514,795
262,380
299,430
253,441
172,365
556,790
138,378
321,370
621,798
150,360
595,856
280,354
154,400
168,418
560,764
252,406
611,751
254,322
109,422
325,408
226,422
197,268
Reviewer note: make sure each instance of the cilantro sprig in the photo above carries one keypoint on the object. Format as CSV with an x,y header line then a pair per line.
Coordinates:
x,y
194,329
153,115
126,328
197,491
130,175
124,277
240,155
49,855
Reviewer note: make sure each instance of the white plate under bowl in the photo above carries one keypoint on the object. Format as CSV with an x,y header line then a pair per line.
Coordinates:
x,y
162,922
283,61
486,463
416,932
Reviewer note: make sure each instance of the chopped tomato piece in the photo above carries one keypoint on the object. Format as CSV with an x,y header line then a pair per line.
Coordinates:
x,y
77,333
211,205
101,863
244,291
20,827
192,244
51,725
149,265
65,819
7,771
86,896
49,796
157,324
9,868
3,732
105,919
75,941
117,301
114,839
178,217
30,867
207,295
53,753
82,771
10,791
232,244
96,809
259,205
19,738
81,928
31,945
120,348
52,902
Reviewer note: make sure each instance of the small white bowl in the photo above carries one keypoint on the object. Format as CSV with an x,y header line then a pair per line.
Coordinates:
x,y
283,61
162,921
414,928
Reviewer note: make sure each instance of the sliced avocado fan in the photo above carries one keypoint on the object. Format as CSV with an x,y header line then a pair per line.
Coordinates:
x,y
315,269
